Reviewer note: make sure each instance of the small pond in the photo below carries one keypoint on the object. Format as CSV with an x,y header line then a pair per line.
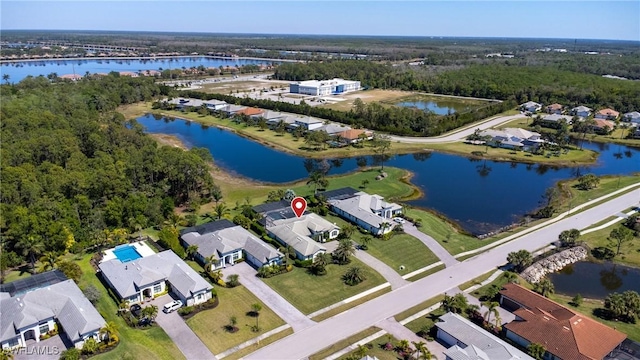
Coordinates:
x,y
439,107
595,280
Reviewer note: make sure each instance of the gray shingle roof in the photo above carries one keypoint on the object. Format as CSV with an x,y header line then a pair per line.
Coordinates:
x,y
468,333
296,232
63,301
363,205
128,278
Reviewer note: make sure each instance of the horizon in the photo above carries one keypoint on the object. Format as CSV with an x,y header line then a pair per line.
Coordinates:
x,y
431,19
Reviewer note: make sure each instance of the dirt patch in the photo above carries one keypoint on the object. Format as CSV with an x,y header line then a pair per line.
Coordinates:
x,y
169,140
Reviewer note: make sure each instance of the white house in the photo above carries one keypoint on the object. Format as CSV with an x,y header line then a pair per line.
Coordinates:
x,y
215,104
513,138
370,212
531,106
581,111
145,278
308,123
554,120
228,243
324,87
633,117
32,307
303,234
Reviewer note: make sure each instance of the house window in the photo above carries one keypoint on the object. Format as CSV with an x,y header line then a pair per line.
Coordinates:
x,y
157,288
14,342
44,328
236,256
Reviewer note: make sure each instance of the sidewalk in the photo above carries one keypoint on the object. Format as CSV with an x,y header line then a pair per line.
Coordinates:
x,y
383,269
431,243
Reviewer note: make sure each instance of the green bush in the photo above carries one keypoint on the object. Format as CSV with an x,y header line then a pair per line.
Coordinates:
x,y
303,263
186,310
70,354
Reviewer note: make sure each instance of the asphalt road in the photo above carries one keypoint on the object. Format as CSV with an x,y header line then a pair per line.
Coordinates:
x,y
313,339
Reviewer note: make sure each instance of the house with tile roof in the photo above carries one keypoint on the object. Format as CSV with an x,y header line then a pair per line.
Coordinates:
x,y
303,234
353,136
137,280
229,243
36,309
603,127
467,341
607,114
370,212
250,111
564,333
554,109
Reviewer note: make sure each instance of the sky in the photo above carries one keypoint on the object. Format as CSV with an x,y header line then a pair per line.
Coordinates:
x,y
571,19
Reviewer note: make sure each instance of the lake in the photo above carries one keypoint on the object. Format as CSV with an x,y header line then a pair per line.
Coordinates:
x,y
439,107
480,196
19,70
595,280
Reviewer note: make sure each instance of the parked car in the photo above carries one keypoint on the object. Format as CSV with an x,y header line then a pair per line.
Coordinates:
x,y
399,220
172,306
136,310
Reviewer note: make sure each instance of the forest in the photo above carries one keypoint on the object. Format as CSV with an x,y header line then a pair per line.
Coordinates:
x,y
544,84
76,175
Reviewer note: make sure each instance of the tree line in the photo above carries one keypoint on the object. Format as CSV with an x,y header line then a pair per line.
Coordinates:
x,y
76,175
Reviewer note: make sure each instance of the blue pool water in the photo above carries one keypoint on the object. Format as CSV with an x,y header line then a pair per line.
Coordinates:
x,y
126,253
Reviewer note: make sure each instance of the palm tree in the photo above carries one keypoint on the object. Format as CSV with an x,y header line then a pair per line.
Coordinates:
x,y
233,321
192,250
344,251
173,220
536,351
383,227
422,350
544,287
403,345
317,178
220,210
151,312
110,331
5,77
6,354
354,276
31,246
320,263
365,240
361,352
49,261
492,308
347,230
122,306
256,310
211,261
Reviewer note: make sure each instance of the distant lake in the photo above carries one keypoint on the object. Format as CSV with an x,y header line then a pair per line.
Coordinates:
x,y
19,70
481,196
595,280
440,107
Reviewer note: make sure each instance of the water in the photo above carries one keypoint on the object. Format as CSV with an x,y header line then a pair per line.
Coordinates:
x,y
126,253
439,107
595,280
20,70
481,196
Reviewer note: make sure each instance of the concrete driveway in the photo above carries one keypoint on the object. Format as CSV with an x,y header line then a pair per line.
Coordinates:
x,y
442,253
269,297
49,349
383,269
185,339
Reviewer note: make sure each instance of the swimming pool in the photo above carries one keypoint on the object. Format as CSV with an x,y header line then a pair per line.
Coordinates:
x,y
126,253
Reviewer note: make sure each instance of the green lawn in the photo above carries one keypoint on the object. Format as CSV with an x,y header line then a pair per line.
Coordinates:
x,y
630,250
377,349
310,293
573,196
152,343
352,304
344,343
425,322
264,342
209,325
416,309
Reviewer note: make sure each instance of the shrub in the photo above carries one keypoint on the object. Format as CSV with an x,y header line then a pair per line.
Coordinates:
x,y
90,346
71,270
91,293
186,310
70,354
603,253
233,280
303,263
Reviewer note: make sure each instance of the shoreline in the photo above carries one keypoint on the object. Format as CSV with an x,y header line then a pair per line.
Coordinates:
x,y
152,58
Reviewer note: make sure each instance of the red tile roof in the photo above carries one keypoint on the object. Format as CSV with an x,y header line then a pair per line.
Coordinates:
x,y
352,134
608,112
563,332
600,123
554,107
250,111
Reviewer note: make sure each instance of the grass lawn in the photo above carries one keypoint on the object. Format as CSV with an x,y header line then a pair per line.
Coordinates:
x,y
377,349
310,293
209,325
572,196
476,281
345,307
424,274
251,348
152,343
416,309
19,273
630,250
425,322
344,343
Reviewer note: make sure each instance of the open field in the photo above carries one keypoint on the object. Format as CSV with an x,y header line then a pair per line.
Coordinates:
x,y
228,87
344,343
310,293
209,324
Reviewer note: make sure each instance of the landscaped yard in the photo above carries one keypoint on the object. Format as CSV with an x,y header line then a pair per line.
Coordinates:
x,y
310,293
377,349
210,325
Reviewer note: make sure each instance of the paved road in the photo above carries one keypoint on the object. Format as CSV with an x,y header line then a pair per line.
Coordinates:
x,y
442,253
458,135
315,338
383,269
185,339
287,312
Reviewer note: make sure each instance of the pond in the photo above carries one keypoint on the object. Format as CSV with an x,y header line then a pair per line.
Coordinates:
x,y
19,70
595,280
480,196
439,107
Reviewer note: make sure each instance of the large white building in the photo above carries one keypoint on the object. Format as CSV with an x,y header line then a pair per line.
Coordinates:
x,y
324,87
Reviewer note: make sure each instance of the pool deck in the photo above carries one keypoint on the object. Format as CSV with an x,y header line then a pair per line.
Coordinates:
x,y
141,247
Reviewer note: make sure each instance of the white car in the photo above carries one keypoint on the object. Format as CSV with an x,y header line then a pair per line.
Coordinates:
x,y
172,306
399,220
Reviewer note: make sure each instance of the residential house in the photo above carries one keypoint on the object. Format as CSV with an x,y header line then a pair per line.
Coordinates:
x,y
32,307
333,129
564,333
603,127
353,136
269,115
468,341
633,117
72,77
607,114
250,111
147,277
555,109
308,123
581,111
554,120
231,109
513,138
636,133
531,106
370,212
129,73
276,210
215,105
228,243
303,234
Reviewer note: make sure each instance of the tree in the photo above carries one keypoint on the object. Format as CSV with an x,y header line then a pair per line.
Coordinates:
x,y
577,300
633,223
347,230
90,346
150,312
588,182
192,250
544,287
31,246
320,263
422,351
6,78
569,237
620,236
536,351
109,331
92,293
510,277
455,304
492,309
520,259
365,182
317,178
233,321
353,276
344,251
381,144
365,240
210,263
220,210
256,308
49,261
233,280
71,270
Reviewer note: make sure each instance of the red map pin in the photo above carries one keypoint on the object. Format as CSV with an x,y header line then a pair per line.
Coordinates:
x,y
299,205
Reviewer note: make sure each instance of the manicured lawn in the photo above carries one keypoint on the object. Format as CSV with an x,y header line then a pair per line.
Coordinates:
x,y
152,343
425,322
264,342
416,309
572,196
310,293
424,274
476,281
630,250
345,307
209,325
343,343
377,349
